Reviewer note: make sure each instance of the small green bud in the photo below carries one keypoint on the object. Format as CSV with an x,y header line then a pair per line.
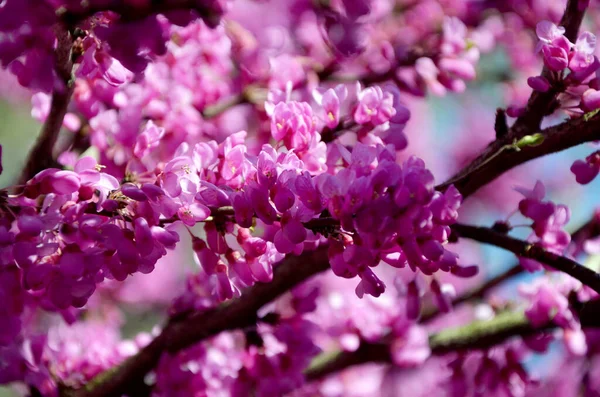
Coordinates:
x,y
530,140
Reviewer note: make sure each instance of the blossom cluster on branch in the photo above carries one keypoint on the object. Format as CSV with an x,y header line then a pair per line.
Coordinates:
x,y
259,178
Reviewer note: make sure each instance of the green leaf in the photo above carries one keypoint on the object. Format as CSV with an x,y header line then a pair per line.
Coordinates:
x,y
530,140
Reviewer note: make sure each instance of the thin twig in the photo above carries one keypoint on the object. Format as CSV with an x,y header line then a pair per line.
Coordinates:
x,y
129,12
496,160
528,250
479,335
40,156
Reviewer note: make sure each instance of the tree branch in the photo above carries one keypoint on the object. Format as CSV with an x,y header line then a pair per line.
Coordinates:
x,y
335,361
40,156
183,332
479,335
527,250
588,230
475,336
129,12
501,155
379,351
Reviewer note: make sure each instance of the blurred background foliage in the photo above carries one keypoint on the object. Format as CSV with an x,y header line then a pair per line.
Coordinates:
x,y
17,134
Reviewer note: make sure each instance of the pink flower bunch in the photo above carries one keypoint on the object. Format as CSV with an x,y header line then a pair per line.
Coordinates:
x,y
67,232
548,302
548,219
29,38
560,55
454,65
255,135
392,214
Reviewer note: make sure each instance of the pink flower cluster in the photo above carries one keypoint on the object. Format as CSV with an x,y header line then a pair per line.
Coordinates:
x,y
579,85
548,219
67,232
394,215
111,47
548,302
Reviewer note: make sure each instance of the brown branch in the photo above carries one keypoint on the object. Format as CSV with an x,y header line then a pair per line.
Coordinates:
x,y
207,10
501,155
40,156
527,250
379,351
540,103
336,361
479,335
588,230
184,332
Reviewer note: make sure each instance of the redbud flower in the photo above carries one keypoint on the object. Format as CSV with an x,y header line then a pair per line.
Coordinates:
x,y
586,171
583,52
330,101
538,83
374,106
547,32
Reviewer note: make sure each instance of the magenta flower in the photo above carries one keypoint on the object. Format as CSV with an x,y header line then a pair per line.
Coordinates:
x,y
293,124
586,170
428,72
148,140
455,34
556,55
547,32
582,55
374,106
538,83
193,213
96,60
331,101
